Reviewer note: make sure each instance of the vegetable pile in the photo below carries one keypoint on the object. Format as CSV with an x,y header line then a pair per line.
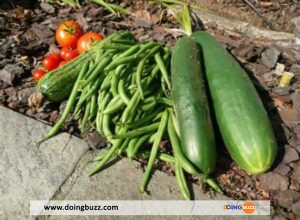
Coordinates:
x,y
124,90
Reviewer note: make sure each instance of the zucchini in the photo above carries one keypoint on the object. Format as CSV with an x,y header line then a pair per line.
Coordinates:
x,y
191,106
240,114
57,84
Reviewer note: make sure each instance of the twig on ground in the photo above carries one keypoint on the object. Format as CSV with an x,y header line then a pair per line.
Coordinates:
x,y
267,22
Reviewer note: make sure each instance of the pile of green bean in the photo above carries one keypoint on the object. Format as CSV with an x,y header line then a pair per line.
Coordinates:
x,y
124,95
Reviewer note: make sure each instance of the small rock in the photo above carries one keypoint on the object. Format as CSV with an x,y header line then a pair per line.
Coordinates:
x,y
270,56
296,21
291,155
296,100
282,169
273,181
62,107
290,115
95,139
279,69
11,93
42,115
24,94
287,198
10,72
53,116
257,68
47,7
297,171
13,105
268,76
295,68
281,91
296,208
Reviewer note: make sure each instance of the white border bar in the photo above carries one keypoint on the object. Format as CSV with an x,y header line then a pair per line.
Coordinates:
x,y
147,207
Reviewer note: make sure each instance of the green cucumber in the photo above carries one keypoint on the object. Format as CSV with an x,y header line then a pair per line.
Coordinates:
x,y
191,106
240,114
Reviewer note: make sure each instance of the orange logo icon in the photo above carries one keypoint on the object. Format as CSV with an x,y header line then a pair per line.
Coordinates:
x,y
248,207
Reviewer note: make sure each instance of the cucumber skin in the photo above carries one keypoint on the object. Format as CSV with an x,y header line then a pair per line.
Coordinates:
x,y
191,106
57,84
242,119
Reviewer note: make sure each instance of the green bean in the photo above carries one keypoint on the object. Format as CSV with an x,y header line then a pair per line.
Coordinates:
x,y
106,126
102,106
145,47
98,122
69,105
181,181
93,109
163,69
117,106
106,82
131,145
127,42
129,52
85,117
160,132
124,60
148,106
130,107
152,138
166,158
175,124
161,156
149,116
132,149
76,112
186,165
114,85
156,69
138,76
137,132
108,155
122,92
157,117
99,69
149,99
116,46
165,101
90,92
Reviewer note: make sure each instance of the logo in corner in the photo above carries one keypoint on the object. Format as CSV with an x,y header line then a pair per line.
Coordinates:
x,y
248,207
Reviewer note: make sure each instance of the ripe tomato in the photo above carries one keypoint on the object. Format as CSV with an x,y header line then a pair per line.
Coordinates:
x,y
68,33
86,41
66,53
37,74
62,63
51,62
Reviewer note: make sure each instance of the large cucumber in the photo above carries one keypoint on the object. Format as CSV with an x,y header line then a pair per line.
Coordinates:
x,y
241,117
191,105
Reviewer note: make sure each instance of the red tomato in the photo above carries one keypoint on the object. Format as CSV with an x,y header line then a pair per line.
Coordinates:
x,y
37,74
67,53
68,33
62,63
51,62
86,41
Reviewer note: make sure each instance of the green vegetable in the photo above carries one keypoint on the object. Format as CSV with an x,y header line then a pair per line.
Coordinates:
x,y
242,119
191,106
